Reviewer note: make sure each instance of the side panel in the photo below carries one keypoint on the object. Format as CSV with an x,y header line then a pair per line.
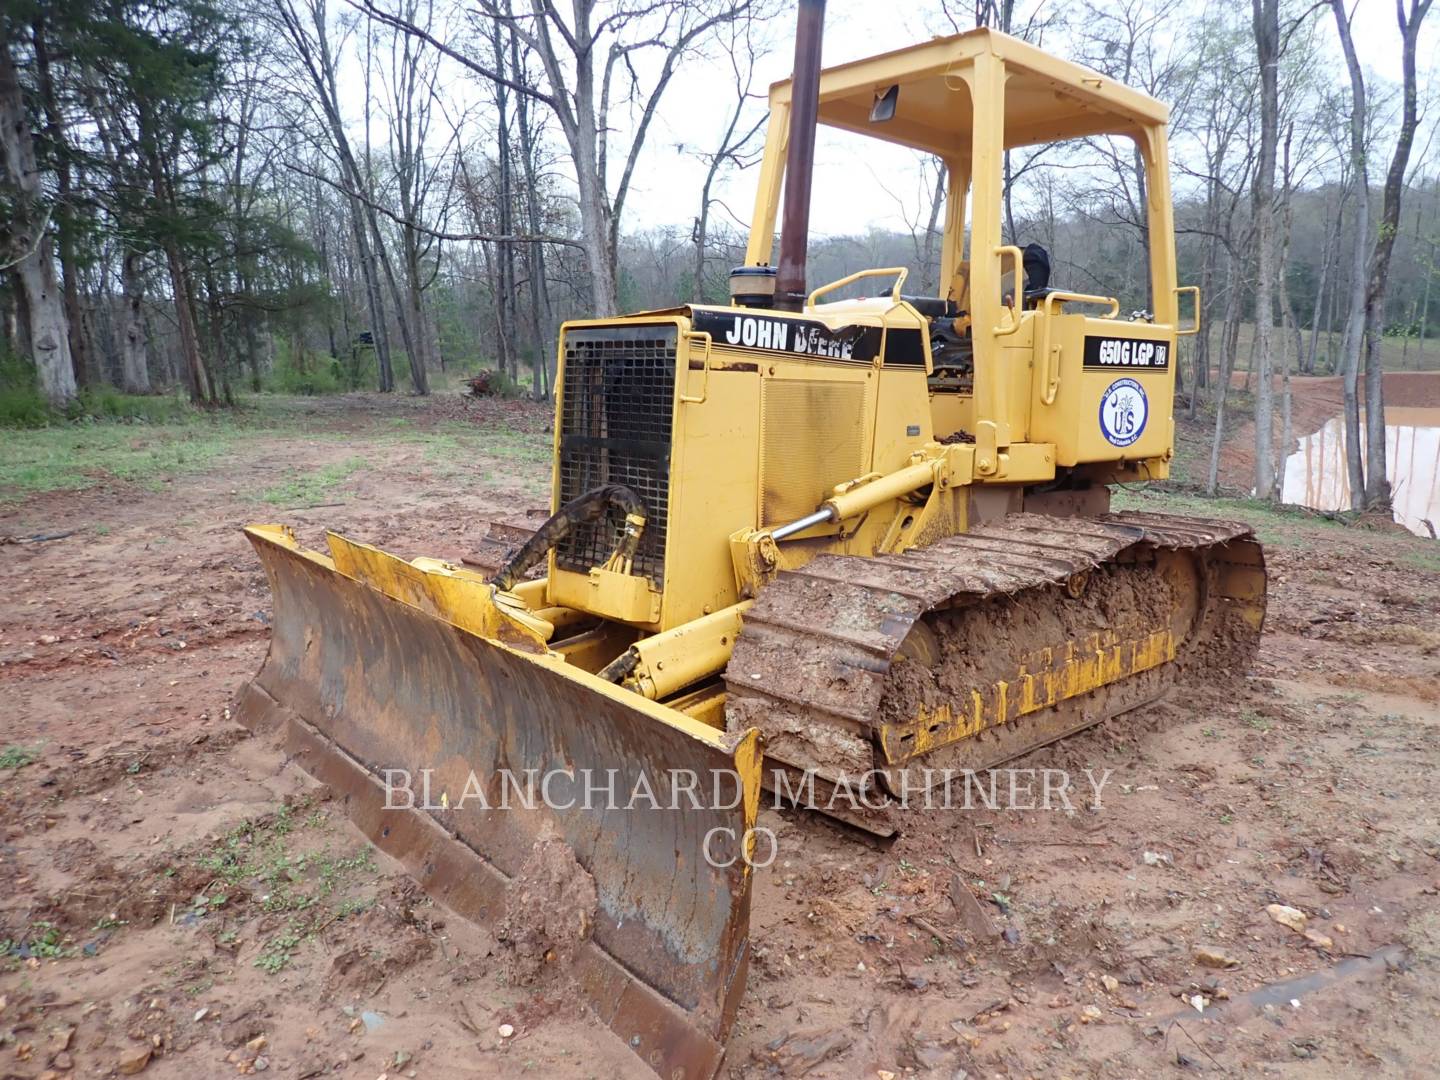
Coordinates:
x,y
903,420
714,473
1016,379
1115,394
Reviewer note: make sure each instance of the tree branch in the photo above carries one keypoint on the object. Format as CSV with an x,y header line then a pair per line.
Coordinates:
x,y
368,7
436,234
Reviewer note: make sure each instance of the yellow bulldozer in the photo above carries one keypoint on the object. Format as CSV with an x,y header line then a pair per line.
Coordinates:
x,y
793,541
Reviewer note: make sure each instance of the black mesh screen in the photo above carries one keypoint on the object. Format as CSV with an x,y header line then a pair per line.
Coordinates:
x,y
616,409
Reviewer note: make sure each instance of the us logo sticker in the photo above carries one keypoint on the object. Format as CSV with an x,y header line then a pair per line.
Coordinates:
x,y
1123,412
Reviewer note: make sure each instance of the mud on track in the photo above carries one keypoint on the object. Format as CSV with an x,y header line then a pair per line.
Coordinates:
x,y
986,941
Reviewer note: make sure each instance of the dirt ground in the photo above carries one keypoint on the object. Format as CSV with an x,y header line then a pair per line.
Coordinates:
x,y
181,901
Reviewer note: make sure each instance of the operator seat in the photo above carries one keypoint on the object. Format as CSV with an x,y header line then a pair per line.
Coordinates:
x,y
1036,261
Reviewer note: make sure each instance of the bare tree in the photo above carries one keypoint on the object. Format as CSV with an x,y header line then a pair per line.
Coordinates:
x,y
1129,42
305,25
504,274
542,324
1220,128
735,145
589,61
1267,47
1377,483
57,136
421,176
1355,323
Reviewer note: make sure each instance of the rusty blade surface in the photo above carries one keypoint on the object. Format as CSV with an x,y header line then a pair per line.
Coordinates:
x,y
811,663
359,683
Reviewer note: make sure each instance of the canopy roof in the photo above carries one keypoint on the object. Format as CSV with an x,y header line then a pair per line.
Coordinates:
x,y
1046,98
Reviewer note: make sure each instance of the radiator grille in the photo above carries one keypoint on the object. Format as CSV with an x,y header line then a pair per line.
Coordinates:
x,y
616,412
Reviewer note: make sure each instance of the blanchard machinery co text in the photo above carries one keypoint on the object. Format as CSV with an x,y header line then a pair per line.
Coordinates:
x,y
687,789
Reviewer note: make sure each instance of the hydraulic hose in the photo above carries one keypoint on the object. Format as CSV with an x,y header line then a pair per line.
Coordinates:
x,y
581,510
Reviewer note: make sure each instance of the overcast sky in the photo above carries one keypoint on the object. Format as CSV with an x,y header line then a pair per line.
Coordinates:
x,y
862,183
858,180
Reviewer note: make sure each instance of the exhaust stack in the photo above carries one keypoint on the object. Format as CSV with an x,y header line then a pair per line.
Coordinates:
x,y
800,156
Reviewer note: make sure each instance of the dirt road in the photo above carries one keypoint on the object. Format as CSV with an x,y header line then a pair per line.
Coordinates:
x,y
181,901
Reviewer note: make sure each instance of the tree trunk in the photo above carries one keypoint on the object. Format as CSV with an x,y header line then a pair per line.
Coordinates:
x,y
64,216
418,379
1355,323
249,319
1290,327
1430,268
1222,386
930,265
1201,351
41,305
215,316
201,390
134,370
419,362
11,336
504,211
1377,483
374,299
595,235
1008,199
1332,239
540,314
1267,46
595,230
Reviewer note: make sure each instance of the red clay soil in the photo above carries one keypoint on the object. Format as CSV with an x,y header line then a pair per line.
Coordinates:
x,y
182,901
1315,400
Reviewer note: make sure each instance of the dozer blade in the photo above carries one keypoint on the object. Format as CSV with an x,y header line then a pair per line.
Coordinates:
x,y
376,664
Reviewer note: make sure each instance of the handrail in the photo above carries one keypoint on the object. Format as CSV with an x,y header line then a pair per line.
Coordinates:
x,y
1196,328
1017,287
689,399
901,272
1050,364
1084,298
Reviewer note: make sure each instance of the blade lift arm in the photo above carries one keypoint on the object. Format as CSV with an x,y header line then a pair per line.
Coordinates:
x,y
927,499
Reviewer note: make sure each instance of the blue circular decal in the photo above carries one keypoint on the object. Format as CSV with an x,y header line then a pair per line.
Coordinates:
x,y
1123,412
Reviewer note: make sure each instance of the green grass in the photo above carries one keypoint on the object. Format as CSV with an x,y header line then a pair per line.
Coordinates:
x,y
458,444
302,488
42,941
1425,556
1273,524
293,879
265,862
279,951
17,757
23,407
75,455
1284,526
107,403
71,457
